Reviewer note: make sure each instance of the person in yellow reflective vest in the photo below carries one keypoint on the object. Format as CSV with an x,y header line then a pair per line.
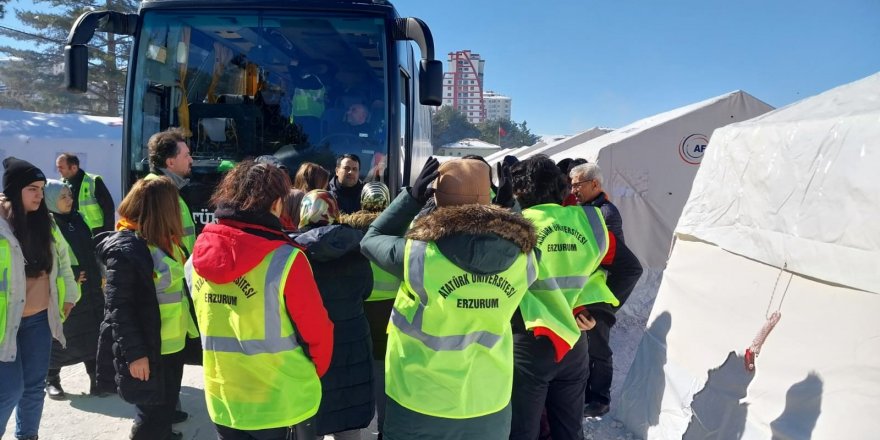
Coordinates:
x,y
37,292
550,344
464,269
91,199
169,157
375,197
267,337
149,317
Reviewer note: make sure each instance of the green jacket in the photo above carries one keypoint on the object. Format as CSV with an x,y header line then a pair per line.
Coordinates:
x,y
464,234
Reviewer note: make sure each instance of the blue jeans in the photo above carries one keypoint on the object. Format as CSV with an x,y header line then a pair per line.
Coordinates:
x,y
23,380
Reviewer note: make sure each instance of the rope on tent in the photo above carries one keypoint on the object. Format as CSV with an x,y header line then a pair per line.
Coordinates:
x,y
773,318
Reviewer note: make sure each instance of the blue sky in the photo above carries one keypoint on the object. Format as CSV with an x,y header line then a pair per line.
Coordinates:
x,y
573,64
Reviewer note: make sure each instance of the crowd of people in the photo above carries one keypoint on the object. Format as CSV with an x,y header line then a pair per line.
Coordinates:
x,y
461,309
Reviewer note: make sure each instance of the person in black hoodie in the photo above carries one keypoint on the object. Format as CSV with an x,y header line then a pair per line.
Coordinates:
x,y
81,327
140,346
345,280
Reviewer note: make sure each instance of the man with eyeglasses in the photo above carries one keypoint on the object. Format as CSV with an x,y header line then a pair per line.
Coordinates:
x,y
624,271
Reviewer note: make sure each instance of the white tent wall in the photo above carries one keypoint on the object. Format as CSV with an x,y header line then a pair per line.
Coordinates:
x,y
799,186
564,144
648,176
40,137
712,302
512,152
782,217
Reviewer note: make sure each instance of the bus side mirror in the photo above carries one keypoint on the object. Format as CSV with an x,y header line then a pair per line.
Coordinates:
x,y
431,82
76,72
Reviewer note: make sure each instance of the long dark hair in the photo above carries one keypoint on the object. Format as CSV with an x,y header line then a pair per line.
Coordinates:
x,y
34,233
251,187
537,180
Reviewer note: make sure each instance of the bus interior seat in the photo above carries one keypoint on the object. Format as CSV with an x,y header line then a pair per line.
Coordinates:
x,y
229,128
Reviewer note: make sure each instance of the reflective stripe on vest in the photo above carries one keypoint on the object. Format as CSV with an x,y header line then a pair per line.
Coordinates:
x,y
60,285
176,321
256,374
385,285
273,341
188,240
450,346
5,264
88,205
567,251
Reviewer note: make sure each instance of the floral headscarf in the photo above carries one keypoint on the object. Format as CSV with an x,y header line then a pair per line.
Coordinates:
x,y
318,208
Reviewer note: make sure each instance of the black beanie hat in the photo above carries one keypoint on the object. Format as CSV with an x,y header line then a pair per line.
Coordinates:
x,y
19,174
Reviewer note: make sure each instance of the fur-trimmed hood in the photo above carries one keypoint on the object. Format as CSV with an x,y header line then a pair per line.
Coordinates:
x,y
360,220
479,238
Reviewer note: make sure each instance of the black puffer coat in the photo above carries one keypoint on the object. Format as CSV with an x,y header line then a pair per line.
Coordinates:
x,y
378,312
81,327
132,325
345,280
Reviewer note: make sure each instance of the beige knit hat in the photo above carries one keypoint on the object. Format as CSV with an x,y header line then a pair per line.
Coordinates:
x,y
462,182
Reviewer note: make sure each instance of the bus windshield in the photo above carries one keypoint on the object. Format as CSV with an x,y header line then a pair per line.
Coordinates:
x,y
245,83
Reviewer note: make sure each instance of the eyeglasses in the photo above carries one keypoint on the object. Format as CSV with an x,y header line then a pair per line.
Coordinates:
x,y
577,184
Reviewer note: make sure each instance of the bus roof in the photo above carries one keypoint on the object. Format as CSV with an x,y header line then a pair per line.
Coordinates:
x,y
305,4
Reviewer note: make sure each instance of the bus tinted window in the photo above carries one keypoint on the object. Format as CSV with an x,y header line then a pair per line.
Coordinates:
x,y
304,87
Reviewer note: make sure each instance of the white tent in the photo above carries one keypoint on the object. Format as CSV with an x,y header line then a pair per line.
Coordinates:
x,y
565,143
512,152
40,137
648,166
783,218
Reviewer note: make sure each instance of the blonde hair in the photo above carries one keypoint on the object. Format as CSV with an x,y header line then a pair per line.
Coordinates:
x,y
153,205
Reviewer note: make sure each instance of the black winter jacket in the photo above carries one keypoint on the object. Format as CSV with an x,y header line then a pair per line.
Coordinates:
x,y
132,325
81,327
624,268
378,312
345,280
348,198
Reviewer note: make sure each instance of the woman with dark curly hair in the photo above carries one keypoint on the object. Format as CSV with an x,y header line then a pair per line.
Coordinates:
x,y
267,337
550,348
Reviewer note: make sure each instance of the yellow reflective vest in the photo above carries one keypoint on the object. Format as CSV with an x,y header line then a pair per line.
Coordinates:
x,y
188,240
573,241
385,285
257,376
450,346
89,208
168,277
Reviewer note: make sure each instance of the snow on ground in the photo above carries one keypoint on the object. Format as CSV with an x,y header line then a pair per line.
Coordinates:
x,y
109,418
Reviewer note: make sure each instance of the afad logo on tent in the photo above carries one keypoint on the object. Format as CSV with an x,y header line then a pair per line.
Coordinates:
x,y
692,147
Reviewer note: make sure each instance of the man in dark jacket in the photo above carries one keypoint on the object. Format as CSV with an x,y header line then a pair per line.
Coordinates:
x,y
346,185
624,271
68,166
